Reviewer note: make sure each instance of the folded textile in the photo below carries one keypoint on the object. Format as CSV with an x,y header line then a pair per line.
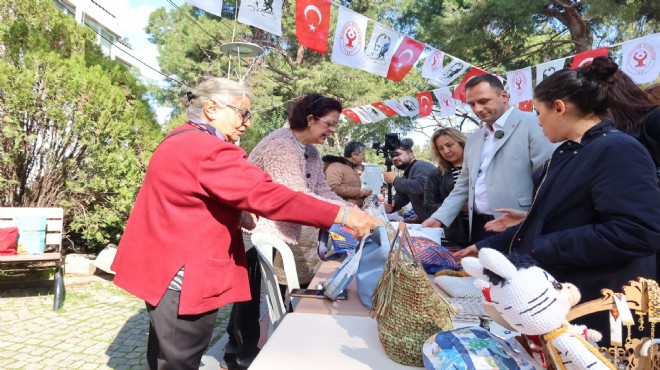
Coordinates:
x,y
458,287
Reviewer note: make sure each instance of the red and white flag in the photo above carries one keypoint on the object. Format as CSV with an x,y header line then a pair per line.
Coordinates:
x,y
459,91
404,58
640,58
432,67
526,106
410,106
425,100
351,115
265,15
313,24
209,6
450,72
364,117
374,114
385,109
397,107
445,101
348,48
546,69
380,50
583,59
519,83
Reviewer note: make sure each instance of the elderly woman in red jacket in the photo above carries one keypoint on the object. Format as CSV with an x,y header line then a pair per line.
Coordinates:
x,y
182,250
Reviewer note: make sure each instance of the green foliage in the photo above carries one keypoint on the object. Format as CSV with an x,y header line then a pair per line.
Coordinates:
x,y
76,131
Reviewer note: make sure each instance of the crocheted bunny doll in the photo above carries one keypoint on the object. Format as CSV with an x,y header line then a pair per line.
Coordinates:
x,y
533,303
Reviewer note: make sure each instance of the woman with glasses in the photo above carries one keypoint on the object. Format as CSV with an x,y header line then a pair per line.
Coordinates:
x,y
182,250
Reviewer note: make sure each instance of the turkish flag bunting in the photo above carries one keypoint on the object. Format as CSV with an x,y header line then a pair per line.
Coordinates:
x,y
459,91
313,24
585,58
351,115
404,58
385,109
525,106
425,100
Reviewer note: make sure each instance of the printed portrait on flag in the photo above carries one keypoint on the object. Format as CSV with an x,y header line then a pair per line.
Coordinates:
x,y
263,14
348,48
546,69
410,105
640,59
313,24
397,107
519,83
382,46
446,102
374,114
432,67
450,72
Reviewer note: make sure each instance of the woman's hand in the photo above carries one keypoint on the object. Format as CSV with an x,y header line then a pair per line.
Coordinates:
x,y
510,218
431,222
248,220
359,221
470,251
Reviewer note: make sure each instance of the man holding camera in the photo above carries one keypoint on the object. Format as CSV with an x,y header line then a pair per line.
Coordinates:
x,y
499,160
410,187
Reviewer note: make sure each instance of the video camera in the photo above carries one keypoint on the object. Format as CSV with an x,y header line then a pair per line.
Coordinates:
x,y
392,143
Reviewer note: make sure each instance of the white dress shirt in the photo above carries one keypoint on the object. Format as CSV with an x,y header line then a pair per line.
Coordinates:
x,y
481,203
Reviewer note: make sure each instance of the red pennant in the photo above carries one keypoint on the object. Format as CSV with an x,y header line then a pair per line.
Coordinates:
x,y
425,100
352,115
404,58
584,59
313,24
385,109
525,106
459,91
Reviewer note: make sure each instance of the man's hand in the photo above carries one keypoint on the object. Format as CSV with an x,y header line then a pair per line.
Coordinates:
x,y
510,218
389,177
470,251
431,222
248,221
389,207
365,193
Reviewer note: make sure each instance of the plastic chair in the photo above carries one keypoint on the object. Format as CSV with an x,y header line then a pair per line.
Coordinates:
x,y
276,309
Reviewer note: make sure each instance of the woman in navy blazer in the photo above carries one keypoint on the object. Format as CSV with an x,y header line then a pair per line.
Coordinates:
x,y
595,218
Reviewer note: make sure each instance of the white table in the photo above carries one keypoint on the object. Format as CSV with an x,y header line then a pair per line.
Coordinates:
x,y
305,341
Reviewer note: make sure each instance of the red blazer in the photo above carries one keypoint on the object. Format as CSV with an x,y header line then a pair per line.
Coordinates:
x,y
186,214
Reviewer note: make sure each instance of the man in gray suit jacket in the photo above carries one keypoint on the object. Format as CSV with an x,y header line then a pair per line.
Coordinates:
x,y
499,159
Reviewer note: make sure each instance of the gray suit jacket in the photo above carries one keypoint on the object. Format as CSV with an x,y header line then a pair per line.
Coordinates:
x,y
509,176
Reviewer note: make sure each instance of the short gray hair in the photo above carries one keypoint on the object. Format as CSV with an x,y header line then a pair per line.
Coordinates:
x,y
222,90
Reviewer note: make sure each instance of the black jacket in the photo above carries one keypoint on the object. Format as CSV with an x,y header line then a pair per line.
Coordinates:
x,y
437,188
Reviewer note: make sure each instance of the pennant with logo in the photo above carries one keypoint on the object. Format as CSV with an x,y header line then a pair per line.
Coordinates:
x,y
445,101
374,114
459,91
546,69
364,117
526,106
381,48
640,58
348,48
385,109
425,100
404,58
450,72
585,58
432,67
520,85
351,115
313,24
265,15
397,107
410,106
210,6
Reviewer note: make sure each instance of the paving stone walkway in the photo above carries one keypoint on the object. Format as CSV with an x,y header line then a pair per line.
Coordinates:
x,y
99,327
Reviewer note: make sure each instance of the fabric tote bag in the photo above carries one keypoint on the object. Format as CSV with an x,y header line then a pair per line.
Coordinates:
x,y
374,255
345,273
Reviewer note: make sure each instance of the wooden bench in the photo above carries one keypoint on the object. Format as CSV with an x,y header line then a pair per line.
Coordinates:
x,y
54,228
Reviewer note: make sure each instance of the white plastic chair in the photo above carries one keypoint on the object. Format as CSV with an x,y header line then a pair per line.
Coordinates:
x,y
276,309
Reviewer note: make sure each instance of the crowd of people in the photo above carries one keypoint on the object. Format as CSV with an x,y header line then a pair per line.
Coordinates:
x,y
574,185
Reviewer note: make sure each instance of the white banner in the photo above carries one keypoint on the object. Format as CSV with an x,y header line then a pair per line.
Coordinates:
x,y
445,101
546,69
374,114
263,14
640,58
396,106
364,117
348,48
432,67
520,85
410,105
378,55
451,71
209,6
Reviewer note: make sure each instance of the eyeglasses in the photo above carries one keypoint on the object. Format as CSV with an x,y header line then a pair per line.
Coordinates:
x,y
330,124
244,114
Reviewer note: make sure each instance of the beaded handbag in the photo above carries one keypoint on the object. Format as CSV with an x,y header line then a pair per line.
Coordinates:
x,y
406,307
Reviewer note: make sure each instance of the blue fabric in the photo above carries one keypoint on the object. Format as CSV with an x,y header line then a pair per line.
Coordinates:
x,y
344,275
374,255
31,233
338,239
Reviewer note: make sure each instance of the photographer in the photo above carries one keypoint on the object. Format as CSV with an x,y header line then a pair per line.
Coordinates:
x,y
410,187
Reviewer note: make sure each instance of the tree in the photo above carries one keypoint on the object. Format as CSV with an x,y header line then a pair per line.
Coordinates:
x,y
76,131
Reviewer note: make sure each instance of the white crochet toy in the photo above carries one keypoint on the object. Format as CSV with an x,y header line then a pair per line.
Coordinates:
x,y
533,303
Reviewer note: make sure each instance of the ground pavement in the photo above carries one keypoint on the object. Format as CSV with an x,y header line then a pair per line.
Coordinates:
x,y
99,327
